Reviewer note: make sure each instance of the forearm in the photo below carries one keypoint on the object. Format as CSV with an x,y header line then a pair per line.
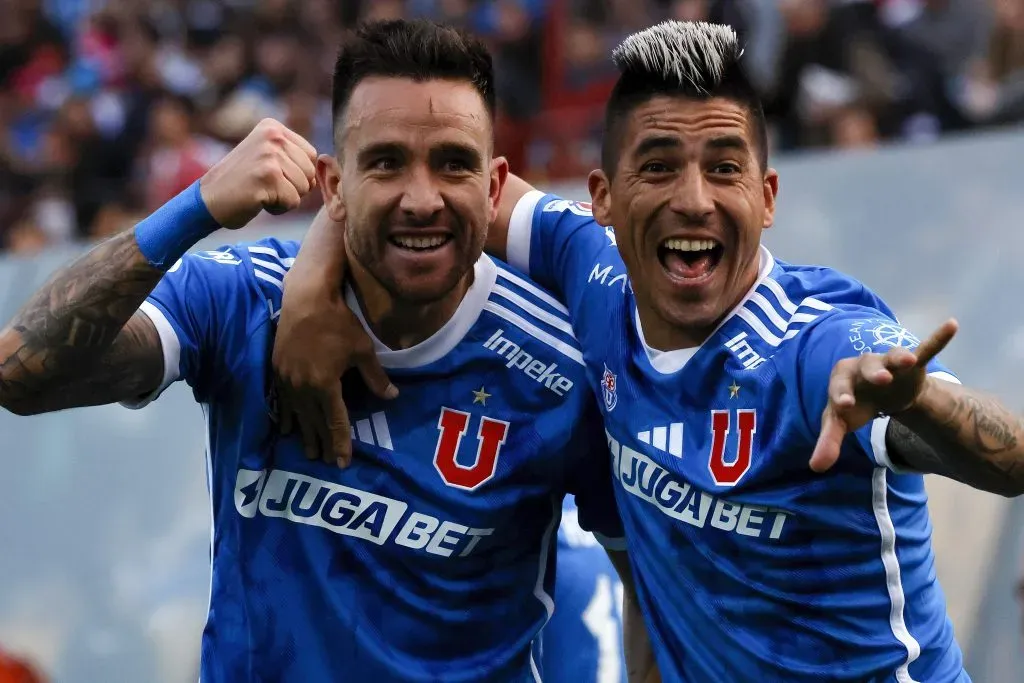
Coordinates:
x,y
59,350
497,236
636,644
961,434
323,252
72,321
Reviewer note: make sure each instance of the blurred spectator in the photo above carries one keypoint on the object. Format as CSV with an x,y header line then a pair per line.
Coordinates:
x,y
177,157
994,87
109,108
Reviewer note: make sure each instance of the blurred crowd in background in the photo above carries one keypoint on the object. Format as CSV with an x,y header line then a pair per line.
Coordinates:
x,y
108,109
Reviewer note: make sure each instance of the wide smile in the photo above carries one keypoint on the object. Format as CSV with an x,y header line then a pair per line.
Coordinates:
x,y
690,262
420,244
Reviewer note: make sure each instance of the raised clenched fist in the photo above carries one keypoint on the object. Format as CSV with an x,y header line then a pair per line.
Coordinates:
x,y
273,168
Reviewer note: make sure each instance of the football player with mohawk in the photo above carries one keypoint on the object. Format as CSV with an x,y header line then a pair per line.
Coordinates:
x,y
769,423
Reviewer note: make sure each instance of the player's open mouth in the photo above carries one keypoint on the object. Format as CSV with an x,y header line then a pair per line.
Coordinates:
x,y
420,243
692,260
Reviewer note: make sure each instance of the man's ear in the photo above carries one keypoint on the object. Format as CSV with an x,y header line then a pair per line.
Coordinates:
x,y
499,174
771,192
328,177
600,197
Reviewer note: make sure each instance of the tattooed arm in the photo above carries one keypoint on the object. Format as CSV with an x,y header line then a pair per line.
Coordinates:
x,y
961,434
79,340
70,345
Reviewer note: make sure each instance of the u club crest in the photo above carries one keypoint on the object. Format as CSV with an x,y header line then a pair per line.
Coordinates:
x,y
611,399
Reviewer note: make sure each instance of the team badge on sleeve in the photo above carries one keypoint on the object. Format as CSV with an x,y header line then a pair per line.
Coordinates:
x,y
878,336
578,208
611,399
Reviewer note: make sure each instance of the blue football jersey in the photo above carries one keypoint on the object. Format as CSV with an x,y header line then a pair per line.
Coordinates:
x,y
431,558
582,643
749,566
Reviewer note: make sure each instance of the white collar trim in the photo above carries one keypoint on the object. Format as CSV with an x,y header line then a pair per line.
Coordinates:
x,y
439,344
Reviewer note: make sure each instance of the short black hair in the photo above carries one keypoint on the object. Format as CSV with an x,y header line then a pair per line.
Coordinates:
x,y
417,49
689,59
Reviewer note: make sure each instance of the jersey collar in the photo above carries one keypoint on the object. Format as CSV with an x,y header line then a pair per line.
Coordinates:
x,y
669,362
438,345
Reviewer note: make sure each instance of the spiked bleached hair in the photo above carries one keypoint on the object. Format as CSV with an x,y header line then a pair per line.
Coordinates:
x,y
689,59
692,55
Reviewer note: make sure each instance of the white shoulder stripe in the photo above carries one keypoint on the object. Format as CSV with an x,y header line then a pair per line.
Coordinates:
x,y
269,266
534,331
811,302
534,290
780,294
781,325
785,302
804,317
286,261
534,310
269,278
759,327
773,316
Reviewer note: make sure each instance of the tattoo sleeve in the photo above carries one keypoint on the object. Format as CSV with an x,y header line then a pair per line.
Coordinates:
x,y
961,434
70,345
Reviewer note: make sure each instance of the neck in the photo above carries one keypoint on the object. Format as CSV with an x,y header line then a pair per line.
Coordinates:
x,y
401,324
663,336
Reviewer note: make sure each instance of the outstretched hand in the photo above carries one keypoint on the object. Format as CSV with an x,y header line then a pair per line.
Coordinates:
x,y
873,384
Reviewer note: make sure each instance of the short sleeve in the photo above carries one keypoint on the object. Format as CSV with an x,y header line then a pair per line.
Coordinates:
x,y
848,334
557,243
201,309
590,481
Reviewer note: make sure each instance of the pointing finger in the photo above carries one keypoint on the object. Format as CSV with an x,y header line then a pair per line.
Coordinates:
x,y
938,340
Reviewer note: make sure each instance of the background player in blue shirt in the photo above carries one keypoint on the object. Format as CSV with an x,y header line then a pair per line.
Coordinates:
x,y
582,642
432,557
731,381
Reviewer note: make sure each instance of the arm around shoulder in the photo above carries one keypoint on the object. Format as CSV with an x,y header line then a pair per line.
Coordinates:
x,y
498,236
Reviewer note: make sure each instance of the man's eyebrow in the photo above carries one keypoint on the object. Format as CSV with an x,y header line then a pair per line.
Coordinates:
x,y
728,142
656,142
380,149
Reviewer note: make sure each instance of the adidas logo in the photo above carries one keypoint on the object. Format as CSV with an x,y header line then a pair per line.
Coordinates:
x,y
373,430
668,439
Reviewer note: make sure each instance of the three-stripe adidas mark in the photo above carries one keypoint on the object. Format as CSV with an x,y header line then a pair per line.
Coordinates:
x,y
373,430
668,439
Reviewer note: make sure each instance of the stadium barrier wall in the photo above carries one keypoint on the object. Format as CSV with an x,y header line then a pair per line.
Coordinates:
x,y
106,515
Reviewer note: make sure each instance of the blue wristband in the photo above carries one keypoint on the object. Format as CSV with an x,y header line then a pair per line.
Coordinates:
x,y
166,234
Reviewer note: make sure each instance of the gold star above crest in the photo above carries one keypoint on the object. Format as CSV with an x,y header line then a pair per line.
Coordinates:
x,y
734,389
480,397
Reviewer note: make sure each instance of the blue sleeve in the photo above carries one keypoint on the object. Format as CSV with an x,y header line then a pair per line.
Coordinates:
x,y
202,309
846,334
590,481
558,244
